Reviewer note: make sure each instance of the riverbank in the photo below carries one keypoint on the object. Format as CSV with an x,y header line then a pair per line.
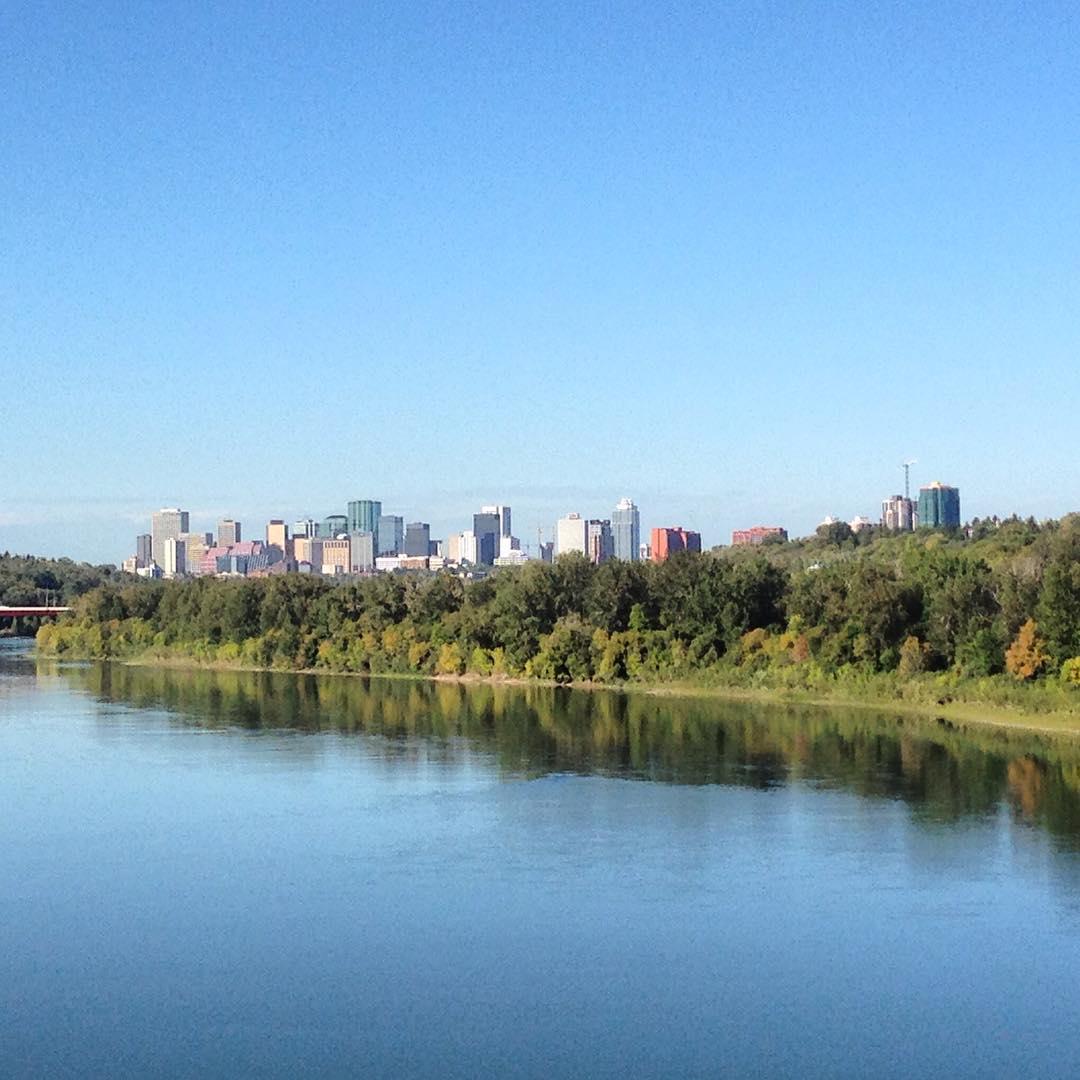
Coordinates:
x,y
931,698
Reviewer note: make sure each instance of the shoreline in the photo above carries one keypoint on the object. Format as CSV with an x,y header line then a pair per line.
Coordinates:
x,y
959,713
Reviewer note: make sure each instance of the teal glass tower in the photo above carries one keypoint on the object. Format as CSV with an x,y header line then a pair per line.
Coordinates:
x,y
364,516
939,506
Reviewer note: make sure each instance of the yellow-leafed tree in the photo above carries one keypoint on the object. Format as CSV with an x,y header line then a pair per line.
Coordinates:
x,y
1026,656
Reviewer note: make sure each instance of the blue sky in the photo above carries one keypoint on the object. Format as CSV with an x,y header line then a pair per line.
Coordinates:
x,y
736,261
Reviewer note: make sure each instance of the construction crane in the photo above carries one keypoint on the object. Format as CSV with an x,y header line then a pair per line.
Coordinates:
x,y
907,477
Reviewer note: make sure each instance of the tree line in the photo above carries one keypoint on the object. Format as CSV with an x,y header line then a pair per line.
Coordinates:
x,y
1004,606
33,581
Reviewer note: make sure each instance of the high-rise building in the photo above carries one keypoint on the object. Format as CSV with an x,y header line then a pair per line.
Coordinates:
x,y
277,535
228,532
308,549
166,523
599,542
461,547
361,552
488,529
503,514
758,534
417,538
144,551
391,534
626,531
364,516
939,506
571,534
307,527
336,555
333,526
174,561
196,545
898,512
666,541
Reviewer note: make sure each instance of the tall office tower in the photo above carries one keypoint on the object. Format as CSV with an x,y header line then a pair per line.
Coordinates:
x,y
228,532
487,527
626,531
939,506
364,515
571,534
277,535
503,514
308,527
665,542
417,538
361,552
391,534
166,523
144,552
333,526
173,561
898,512
461,547
599,542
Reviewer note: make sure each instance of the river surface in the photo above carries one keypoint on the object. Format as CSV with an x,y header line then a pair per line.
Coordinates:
x,y
228,874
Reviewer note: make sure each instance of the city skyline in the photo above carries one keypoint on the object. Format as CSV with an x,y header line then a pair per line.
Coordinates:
x,y
443,526
674,249
366,540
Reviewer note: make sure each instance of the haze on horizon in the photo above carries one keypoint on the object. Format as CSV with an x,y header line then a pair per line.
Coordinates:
x,y
735,263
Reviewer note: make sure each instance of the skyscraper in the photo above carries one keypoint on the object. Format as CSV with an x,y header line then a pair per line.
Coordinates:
x,y
488,529
939,506
361,552
898,512
144,551
364,516
599,542
166,524
418,538
228,532
173,561
277,535
571,534
626,530
390,538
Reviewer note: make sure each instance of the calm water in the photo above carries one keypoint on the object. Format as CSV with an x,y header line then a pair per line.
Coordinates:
x,y
222,875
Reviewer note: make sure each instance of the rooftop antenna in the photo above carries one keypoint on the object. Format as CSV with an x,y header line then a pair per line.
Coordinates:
x,y
907,478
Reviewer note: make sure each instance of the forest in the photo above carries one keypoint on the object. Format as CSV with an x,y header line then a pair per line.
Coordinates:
x,y
919,615
33,581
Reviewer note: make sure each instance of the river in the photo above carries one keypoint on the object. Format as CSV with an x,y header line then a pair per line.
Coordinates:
x,y
237,874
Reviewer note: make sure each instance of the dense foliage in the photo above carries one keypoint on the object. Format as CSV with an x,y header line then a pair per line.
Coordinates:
x,y
31,581
1004,605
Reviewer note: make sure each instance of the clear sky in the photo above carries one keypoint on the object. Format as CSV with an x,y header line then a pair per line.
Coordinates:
x,y
737,261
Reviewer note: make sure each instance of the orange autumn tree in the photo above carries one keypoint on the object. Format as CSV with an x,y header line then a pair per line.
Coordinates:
x,y
1026,656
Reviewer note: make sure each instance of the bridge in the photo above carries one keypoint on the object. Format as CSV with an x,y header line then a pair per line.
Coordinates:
x,y
26,612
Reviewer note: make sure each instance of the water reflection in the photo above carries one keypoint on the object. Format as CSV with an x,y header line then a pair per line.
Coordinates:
x,y
943,773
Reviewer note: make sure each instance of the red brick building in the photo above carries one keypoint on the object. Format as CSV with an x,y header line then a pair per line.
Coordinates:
x,y
665,542
757,535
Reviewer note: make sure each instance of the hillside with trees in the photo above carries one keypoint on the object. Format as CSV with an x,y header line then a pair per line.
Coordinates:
x,y
32,581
